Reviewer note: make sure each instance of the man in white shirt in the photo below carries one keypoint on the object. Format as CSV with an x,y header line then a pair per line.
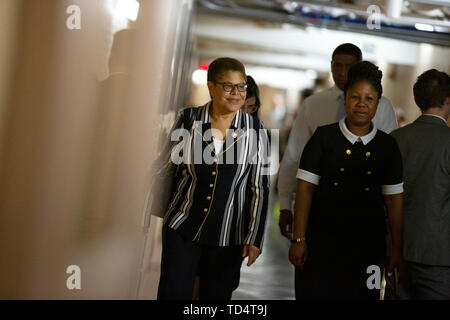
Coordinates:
x,y
320,109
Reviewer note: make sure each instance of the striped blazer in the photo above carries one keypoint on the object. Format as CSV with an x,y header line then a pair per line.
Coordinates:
x,y
219,199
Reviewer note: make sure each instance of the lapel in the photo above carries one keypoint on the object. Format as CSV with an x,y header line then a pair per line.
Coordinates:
x,y
233,134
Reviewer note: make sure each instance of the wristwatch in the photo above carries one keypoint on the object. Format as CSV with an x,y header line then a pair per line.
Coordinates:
x,y
298,240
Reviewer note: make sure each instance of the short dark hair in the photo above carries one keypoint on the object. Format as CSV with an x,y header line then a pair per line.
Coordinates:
x,y
253,91
365,71
221,65
431,89
348,48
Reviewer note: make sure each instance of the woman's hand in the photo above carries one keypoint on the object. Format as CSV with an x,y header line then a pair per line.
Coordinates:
x,y
394,205
252,252
298,253
285,223
397,261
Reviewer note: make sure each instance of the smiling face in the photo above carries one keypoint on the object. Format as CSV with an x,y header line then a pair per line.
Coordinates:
x,y
340,65
361,101
227,102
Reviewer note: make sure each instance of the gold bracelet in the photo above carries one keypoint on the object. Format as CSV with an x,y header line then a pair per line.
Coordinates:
x,y
298,240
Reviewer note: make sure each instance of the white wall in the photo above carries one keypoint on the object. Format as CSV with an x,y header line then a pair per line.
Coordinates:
x,y
9,13
77,152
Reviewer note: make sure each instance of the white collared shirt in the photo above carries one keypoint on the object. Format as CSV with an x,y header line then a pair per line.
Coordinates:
x,y
218,145
435,115
352,137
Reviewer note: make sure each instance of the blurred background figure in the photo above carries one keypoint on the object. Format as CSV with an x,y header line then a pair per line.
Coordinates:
x,y
252,102
278,112
111,107
290,118
400,114
303,95
120,58
75,155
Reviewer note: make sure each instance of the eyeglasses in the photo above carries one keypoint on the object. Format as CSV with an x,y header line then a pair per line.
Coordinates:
x,y
229,87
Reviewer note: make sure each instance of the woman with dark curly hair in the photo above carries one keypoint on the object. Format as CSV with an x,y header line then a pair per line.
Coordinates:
x,y
350,176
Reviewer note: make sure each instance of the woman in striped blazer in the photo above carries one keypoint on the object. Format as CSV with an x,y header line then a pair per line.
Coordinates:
x,y
216,214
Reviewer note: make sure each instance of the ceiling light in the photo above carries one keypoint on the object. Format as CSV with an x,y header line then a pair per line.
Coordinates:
x,y
128,9
199,76
424,27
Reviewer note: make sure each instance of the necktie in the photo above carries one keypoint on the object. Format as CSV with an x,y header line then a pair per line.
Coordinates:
x,y
341,109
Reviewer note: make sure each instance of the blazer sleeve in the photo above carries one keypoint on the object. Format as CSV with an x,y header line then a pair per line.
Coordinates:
x,y
170,141
259,190
161,163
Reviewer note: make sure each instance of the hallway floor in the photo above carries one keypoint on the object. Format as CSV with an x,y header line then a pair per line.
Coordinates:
x,y
271,277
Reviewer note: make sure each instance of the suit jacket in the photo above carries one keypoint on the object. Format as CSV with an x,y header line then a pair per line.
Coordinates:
x,y
220,199
425,149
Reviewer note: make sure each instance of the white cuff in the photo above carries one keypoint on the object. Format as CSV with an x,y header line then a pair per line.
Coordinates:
x,y
308,176
392,189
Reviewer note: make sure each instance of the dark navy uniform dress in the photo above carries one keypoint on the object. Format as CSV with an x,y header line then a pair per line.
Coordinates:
x,y
346,228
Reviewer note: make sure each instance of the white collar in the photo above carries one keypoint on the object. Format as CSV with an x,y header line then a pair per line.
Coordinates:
x,y
435,115
352,137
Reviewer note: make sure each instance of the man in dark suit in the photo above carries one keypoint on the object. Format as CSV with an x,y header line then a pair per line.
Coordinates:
x,y
425,148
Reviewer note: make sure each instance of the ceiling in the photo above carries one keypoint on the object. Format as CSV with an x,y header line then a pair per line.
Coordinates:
x,y
291,42
418,21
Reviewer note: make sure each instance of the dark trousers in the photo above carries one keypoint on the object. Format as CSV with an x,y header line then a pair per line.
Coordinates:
x,y
297,279
426,282
322,281
219,269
